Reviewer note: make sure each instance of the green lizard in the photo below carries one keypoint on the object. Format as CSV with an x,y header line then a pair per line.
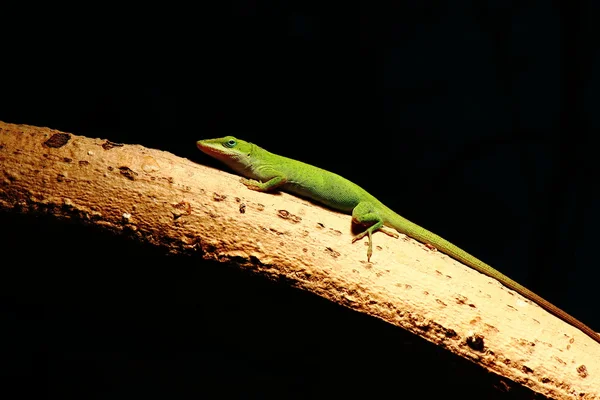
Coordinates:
x,y
267,171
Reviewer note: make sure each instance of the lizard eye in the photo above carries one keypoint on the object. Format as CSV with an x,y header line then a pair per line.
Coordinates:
x,y
230,143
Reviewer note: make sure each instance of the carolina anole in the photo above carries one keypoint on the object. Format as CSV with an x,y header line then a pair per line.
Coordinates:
x,y
267,171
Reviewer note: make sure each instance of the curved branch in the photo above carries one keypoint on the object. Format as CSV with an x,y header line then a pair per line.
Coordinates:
x,y
183,207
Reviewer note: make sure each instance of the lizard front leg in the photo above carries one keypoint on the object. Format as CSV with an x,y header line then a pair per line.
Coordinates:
x,y
267,186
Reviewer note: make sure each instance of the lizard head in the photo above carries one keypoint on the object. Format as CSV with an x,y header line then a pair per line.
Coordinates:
x,y
234,152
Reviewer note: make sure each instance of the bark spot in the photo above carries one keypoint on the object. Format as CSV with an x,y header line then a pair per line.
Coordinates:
x,y
284,214
57,140
218,197
475,342
582,371
109,145
128,173
332,252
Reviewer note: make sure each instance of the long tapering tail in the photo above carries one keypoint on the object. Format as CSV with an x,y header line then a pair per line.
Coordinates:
x,y
421,234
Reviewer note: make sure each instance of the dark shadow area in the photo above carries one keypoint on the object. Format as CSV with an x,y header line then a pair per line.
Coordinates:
x,y
90,315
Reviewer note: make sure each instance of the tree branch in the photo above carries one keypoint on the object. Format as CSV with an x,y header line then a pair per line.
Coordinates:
x,y
186,208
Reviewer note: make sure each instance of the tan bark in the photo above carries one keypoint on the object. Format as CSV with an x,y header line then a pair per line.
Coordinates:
x,y
184,207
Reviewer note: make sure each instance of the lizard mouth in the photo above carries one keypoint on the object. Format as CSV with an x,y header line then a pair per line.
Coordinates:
x,y
202,145
207,148
212,150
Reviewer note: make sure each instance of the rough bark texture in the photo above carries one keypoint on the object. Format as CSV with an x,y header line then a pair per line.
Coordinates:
x,y
184,207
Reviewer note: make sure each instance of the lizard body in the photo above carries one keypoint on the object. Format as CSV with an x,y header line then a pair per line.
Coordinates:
x,y
267,171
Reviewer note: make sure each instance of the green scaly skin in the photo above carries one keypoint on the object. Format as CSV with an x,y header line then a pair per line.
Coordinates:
x,y
267,172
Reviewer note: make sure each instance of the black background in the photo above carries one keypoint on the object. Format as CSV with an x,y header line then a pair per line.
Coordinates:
x,y
475,119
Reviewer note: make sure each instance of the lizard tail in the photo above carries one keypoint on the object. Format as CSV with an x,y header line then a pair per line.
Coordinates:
x,y
421,234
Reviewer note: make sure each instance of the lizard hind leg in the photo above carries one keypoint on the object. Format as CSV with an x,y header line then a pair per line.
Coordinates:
x,y
365,214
